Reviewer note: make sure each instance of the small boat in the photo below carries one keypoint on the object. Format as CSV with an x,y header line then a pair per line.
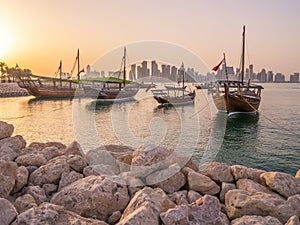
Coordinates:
x,y
50,87
174,95
111,89
239,96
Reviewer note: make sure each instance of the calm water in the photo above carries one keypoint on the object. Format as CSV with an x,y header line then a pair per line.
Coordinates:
x,y
270,141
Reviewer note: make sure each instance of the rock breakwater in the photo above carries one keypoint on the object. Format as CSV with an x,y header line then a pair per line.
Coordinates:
x,y
51,183
12,90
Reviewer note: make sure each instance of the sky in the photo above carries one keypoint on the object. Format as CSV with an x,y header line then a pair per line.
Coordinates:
x,y
37,34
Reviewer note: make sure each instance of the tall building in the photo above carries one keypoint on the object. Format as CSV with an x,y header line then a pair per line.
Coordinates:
x,y
270,76
174,74
294,78
154,69
279,78
133,71
143,71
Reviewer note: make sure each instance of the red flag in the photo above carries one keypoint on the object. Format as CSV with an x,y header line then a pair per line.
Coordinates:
x,y
149,87
217,66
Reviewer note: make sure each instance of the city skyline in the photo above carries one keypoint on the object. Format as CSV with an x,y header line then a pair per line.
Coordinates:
x,y
37,35
150,68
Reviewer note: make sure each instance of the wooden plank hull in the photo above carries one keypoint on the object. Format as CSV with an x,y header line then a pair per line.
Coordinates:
x,y
175,101
240,104
116,95
219,101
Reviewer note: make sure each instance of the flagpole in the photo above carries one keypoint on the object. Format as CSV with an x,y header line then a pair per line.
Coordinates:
x,y
225,67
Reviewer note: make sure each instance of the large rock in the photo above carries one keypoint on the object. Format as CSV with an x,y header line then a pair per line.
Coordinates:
x,y
148,159
252,187
68,178
15,142
50,173
100,169
9,152
205,210
239,203
24,202
283,183
51,152
169,180
217,171
193,196
74,149
8,176
21,180
225,188
47,214
6,130
77,162
7,212
201,183
93,196
31,159
243,172
253,220
145,207
37,193
294,220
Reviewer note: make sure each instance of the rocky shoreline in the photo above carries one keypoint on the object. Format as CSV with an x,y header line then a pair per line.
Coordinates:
x,y
12,90
51,183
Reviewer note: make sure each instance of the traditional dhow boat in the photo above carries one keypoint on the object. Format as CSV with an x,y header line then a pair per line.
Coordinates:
x,y
174,95
239,96
49,87
110,89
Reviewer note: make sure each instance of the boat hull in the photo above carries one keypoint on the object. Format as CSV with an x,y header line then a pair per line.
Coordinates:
x,y
176,101
219,102
240,104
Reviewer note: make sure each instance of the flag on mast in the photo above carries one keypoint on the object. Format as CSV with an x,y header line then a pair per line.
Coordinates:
x,y
217,66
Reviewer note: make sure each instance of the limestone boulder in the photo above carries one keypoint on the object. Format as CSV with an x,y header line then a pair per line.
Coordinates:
x,y
37,193
8,176
169,180
9,152
50,173
148,159
225,187
145,207
73,149
93,196
243,172
206,210
68,178
47,213
51,152
252,220
294,220
217,171
31,159
77,162
24,202
252,186
21,180
239,203
202,184
50,189
193,196
283,183
6,130
7,212
298,174
100,169
15,142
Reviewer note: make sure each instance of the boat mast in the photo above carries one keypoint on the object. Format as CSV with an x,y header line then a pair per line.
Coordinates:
x,y
60,69
225,67
243,54
78,65
124,75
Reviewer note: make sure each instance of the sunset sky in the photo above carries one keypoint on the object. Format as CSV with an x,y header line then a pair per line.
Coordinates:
x,y
36,34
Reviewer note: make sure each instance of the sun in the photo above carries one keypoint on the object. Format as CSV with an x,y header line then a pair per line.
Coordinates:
x,y
4,41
